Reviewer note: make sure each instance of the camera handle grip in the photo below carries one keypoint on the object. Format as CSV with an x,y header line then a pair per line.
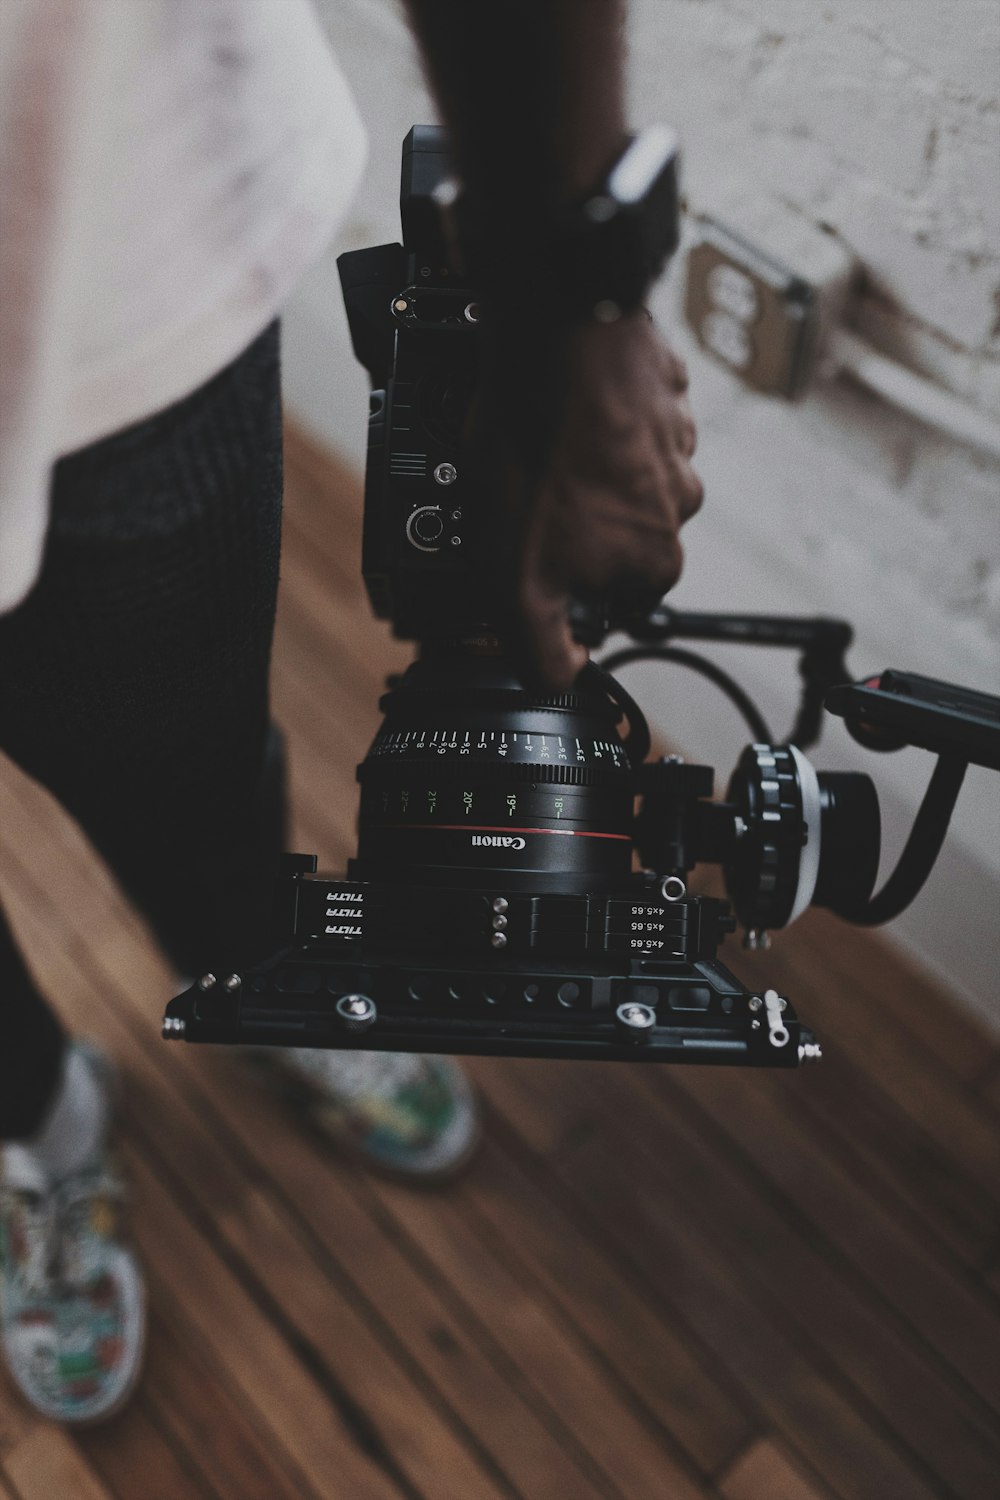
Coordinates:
x,y
592,617
922,848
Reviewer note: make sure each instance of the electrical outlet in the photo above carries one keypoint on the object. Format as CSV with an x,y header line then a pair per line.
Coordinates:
x,y
764,318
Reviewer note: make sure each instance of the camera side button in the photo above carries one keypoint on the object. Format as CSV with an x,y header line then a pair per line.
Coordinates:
x,y
425,528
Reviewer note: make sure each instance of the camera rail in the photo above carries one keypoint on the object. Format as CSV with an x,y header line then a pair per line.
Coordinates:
x,y
610,976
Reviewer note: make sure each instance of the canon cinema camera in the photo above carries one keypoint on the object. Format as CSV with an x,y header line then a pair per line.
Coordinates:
x,y
521,884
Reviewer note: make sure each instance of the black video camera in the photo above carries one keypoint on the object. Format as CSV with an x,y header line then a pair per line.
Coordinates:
x,y
521,881
414,325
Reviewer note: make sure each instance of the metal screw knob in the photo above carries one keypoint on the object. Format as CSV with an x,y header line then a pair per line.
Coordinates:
x,y
356,1011
637,1020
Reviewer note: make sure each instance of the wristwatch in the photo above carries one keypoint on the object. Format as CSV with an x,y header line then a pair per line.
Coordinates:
x,y
604,252
594,259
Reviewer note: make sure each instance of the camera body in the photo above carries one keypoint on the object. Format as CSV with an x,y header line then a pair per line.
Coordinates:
x,y
414,325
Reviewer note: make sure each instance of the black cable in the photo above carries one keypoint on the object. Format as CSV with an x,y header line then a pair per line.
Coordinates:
x,y
922,847
754,719
638,743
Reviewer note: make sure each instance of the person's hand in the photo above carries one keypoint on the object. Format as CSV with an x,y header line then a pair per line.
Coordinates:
x,y
611,491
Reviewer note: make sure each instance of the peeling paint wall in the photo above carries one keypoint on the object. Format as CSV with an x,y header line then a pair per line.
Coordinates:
x,y
881,123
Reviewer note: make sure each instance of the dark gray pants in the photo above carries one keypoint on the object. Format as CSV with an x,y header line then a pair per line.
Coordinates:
x,y
134,686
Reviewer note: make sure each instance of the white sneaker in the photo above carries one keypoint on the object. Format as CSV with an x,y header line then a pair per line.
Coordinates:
x,y
72,1297
408,1113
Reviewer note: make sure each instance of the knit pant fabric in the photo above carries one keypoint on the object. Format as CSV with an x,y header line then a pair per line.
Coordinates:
x,y
134,686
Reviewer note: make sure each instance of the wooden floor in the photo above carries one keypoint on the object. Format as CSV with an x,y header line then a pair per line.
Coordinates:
x,y
656,1284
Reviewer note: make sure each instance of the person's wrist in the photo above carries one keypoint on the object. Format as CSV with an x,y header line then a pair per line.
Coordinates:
x,y
529,373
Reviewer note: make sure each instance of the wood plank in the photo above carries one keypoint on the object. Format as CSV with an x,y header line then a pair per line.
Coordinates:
x,y
833,1314
679,1384
649,1218
332,545
847,1007
313,615
764,1472
591,1413
198,1409
912,1156
454,1334
208,1305
989,1090
918,1005
917,1171
42,1462
133,1444
322,487
759,1118
407,1434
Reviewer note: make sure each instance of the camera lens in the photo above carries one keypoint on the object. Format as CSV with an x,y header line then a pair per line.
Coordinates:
x,y
473,781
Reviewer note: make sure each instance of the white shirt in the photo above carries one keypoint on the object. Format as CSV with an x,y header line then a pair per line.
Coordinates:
x,y
168,168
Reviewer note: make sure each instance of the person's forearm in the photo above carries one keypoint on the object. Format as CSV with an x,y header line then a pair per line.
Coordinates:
x,y
581,427
532,94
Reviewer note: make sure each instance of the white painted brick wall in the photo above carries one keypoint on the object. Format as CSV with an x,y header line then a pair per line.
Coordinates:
x,y
882,122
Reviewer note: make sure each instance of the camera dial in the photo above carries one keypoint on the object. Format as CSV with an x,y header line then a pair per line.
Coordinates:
x,y
425,528
812,838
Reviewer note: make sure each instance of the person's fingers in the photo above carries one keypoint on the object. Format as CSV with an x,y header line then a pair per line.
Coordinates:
x,y
677,441
685,426
657,570
553,656
691,494
678,373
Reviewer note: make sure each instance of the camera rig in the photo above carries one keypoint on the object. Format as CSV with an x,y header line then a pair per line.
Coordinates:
x,y
521,884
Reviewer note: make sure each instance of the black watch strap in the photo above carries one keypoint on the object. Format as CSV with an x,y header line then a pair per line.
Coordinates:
x,y
604,253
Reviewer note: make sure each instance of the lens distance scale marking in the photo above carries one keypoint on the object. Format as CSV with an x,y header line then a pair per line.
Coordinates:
x,y
489,744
